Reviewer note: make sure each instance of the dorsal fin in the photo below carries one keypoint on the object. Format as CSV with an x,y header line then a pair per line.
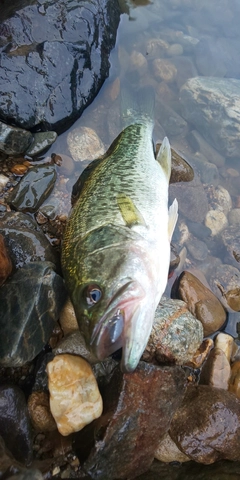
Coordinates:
x,y
164,157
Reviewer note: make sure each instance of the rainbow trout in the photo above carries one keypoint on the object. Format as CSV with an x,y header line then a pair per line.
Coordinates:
x,y
116,246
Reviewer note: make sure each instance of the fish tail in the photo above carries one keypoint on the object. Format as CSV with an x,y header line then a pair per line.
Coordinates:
x,y
137,106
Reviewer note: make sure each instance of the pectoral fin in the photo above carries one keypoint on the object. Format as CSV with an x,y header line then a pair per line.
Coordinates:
x,y
129,211
172,218
164,157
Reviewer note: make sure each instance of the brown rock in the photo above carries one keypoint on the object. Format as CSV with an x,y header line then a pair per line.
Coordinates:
x,y
201,353
167,451
39,411
216,370
201,302
138,408
5,262
206,427
234,381
193,194
19,169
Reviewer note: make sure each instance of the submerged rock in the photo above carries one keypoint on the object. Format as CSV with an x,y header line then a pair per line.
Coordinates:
x,y
138,408
231,240
206,427
84,144
75,400
201,302
30,304
41,141
176,334
191,193
226,286
33,188
15,423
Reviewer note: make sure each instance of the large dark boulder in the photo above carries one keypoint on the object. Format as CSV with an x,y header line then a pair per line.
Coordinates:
x,y
54,57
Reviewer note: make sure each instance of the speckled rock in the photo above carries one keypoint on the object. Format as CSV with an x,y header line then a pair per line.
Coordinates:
x,y
33,188
164,69
138,408
75,400
212,105
226,286
84,144
15,423
25,241
216,220
39,411
167,451
37,294
41,141
216,370
5,261
14,141
231,240
207,424
201,302
201,353
193,194
176,334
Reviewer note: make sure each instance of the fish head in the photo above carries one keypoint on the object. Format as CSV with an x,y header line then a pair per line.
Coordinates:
x,y
112,302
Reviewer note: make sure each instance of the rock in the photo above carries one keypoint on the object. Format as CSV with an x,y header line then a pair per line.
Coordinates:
x,y
84,144
39,411
48,78
164,69
67,318
216,221
33,188
218,57
226,286
181,170
41,141
201,302
37,294
212,105
167,451
14,141
198,143
206,426
19,169
15,424
5,262
225,343
201,353
7,461
171,121
75,400
208,171
216,370
221,199
199,230
3,182
156,47
74,344
28,474
25,241
234,381
185,69
175,49
197,249
192,194
175,335
138,408
231,240
138,62
234,217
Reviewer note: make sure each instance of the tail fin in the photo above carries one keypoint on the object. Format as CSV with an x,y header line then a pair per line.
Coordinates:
x,y
137,106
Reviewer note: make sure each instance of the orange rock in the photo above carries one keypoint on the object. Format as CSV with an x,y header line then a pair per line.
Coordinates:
x,y
19,169
75,400
5,262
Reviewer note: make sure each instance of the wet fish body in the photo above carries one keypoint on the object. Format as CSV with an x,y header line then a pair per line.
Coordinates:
x,y
116,247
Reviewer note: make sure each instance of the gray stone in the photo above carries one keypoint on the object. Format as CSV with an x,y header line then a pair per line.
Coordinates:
x,y
14,141
198,143
54,59
41,141
31,301
213,105
171,121
192,199
208,171
197,249
33,188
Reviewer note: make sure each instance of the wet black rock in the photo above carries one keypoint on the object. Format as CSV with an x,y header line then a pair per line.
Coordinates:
x,y
24,240
41,141
31,301
15,424
54,58
34,188
14,141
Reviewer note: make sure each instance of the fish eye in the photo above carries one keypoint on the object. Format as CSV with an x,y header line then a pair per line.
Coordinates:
x,y
92,294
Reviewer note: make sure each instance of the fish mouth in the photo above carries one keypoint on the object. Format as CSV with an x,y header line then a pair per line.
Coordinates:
x,y
112,331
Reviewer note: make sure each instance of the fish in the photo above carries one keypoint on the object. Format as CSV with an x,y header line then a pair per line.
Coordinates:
x,y
116,246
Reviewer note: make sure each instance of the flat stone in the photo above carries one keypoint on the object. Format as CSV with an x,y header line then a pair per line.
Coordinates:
x,y
206,427
201,302
138,408
176,334
13,140
30,304
15,423
75,400
33,188
41,141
